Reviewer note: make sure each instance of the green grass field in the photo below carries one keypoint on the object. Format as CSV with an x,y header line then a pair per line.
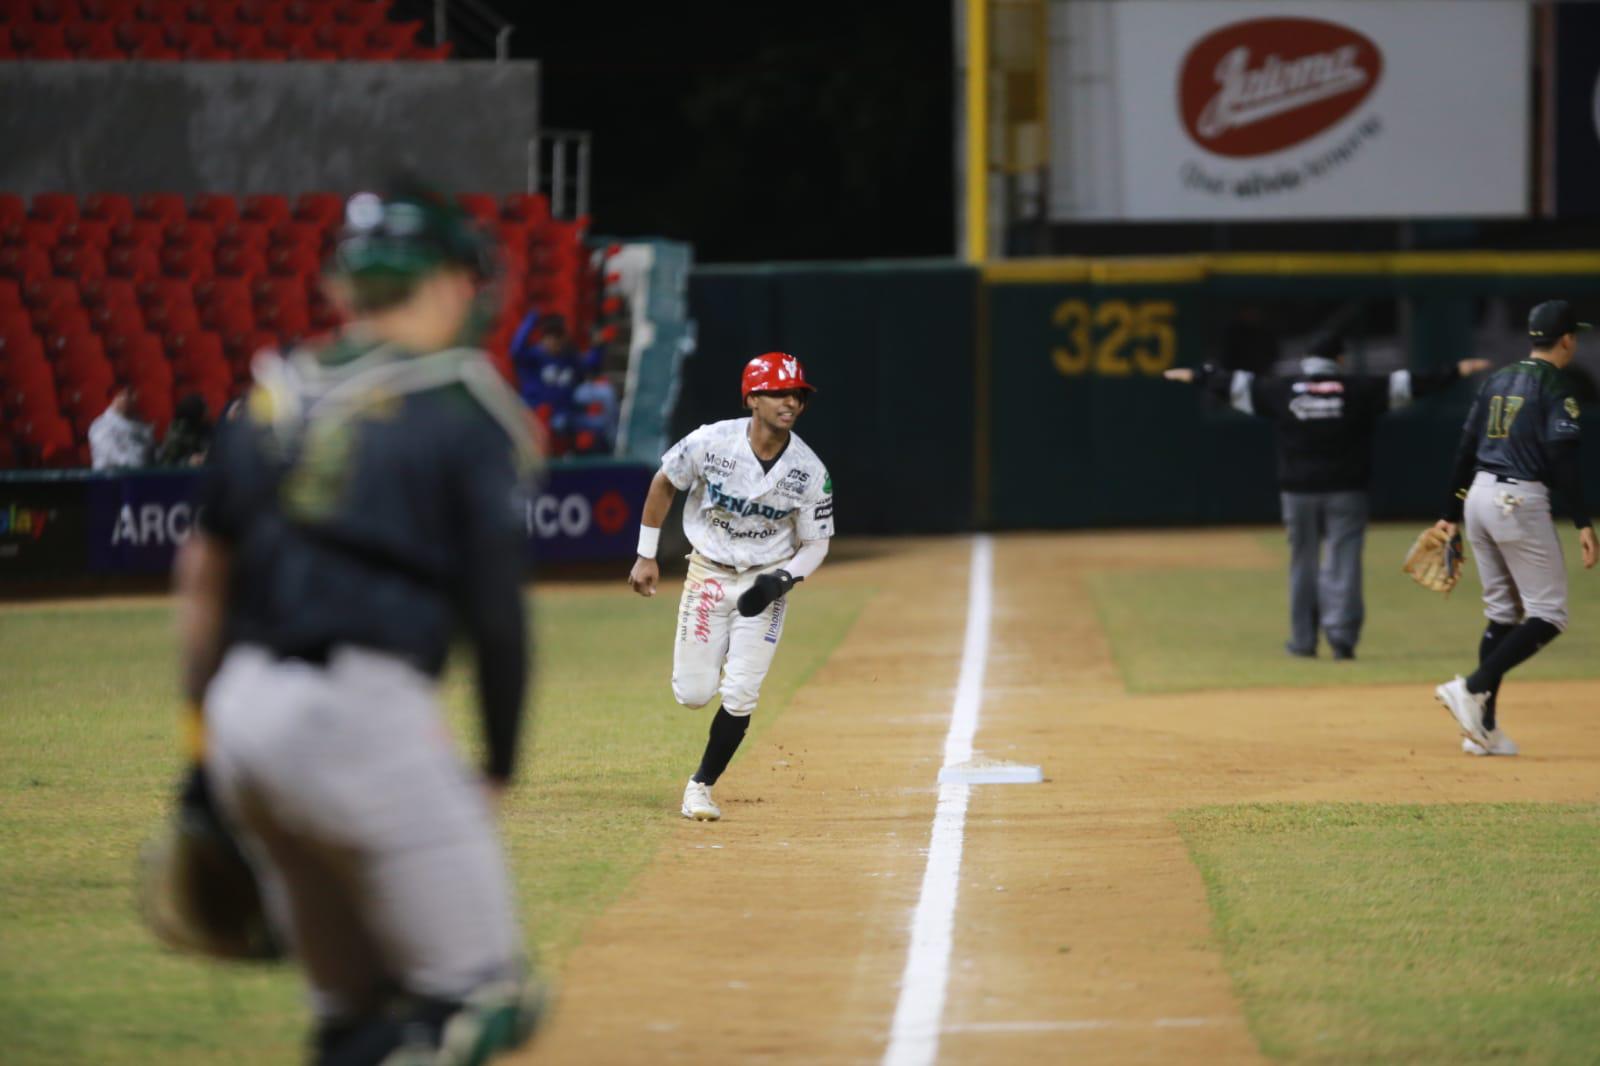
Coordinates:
x,y
1206,628
87,757
1378,933
1406,934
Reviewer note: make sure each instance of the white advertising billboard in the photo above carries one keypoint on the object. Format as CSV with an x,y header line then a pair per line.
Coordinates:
x,y
1251,109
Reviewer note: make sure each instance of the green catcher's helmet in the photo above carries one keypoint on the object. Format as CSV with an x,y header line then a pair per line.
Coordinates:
x,y
391,240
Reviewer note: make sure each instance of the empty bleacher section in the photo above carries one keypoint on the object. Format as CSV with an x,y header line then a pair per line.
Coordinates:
x,y
173,295
215,30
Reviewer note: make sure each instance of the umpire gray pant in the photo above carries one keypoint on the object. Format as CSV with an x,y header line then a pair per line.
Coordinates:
x,y
1326,533
374,844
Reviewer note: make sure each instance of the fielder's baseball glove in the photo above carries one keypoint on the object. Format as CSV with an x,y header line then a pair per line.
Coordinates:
x,y
1434,561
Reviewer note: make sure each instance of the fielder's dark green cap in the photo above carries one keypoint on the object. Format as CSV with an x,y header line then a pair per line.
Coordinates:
x,y
1553,320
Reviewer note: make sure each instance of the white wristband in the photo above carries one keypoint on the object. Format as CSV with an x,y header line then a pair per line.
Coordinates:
x,y
649,537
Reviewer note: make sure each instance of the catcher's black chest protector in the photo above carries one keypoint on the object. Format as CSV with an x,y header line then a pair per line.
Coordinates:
x,y
1522,410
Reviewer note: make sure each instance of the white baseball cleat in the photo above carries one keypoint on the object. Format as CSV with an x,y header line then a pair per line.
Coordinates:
x,y
1499,744
1466,708
697,802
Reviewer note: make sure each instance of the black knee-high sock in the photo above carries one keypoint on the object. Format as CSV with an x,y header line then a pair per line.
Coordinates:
x,y
1511,650
1493,633
727,730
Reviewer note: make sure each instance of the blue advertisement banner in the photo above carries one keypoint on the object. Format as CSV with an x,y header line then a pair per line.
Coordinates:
x,y
137,521
132,524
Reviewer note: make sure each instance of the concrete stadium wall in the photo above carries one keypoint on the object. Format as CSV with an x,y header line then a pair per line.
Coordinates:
x,y
190,127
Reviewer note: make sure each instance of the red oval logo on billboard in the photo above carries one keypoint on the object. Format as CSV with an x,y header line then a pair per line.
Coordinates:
x,y
1264,85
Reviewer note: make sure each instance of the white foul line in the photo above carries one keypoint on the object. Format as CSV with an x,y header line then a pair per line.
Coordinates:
x,y
914,1037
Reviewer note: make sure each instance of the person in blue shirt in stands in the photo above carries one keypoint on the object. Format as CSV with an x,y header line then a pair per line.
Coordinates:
x,y
563,386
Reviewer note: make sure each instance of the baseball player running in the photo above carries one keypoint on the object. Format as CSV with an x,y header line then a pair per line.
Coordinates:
x,y
759,515
366,509
1519,442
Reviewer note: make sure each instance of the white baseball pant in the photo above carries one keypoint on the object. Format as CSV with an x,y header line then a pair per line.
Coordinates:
x,y
717,648
1518,553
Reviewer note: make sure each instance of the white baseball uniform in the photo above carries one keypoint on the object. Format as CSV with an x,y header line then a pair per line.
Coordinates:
x,y
742,521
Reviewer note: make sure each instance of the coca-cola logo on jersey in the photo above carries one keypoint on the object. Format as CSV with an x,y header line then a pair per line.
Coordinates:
x,y
1263,85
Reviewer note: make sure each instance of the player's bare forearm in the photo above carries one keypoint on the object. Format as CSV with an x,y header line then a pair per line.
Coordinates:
x,y
202,571
646,572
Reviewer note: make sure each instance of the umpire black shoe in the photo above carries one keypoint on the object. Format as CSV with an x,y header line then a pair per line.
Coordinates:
x,y
1343,651
1310,653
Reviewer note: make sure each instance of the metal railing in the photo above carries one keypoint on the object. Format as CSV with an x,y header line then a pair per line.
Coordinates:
x,y
558,165
468,22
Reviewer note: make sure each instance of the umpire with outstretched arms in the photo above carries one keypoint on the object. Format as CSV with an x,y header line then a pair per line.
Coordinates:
x,y
1325,420
1520,442
368,507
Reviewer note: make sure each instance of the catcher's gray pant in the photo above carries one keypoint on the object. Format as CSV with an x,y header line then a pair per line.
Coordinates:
x,y
374,843
1518,553
1326,531
717,647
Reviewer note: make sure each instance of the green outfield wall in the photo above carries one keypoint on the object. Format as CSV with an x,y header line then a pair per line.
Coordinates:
x,y
1029,394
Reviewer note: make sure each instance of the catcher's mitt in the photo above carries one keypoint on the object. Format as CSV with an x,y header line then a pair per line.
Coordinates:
x,y
1434,561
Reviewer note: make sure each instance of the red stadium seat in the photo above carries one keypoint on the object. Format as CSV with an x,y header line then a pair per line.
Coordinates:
x,y
187,261
132,36
239,36
169,318
290,36
59,206
219,209
111,206
294,261
160,290
362,12
394,35
24,263
321,209
115,318
135,261
110,10
164,12
95,232
10,293
147,232
38,232
84,402
435,52
297,234
240,261
480,206
342,37
217,291
196,231
241,348
167,208
249,232
107,291
47,292
59,11
229,318
40,40
70,319
93,39
13,208
155,53
78,261
267,207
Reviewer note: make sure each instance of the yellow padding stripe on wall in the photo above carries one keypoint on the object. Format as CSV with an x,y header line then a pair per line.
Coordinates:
x,y
1184,269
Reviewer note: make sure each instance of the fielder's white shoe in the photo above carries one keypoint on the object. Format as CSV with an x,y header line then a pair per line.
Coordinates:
x,y
1499,744
1466,708
697,802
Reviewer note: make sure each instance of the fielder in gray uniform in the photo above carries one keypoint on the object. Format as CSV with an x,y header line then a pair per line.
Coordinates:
x,y
1325,420
367,508
1520,441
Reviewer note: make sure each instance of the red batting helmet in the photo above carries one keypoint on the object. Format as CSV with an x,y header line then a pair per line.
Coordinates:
x,y
773,372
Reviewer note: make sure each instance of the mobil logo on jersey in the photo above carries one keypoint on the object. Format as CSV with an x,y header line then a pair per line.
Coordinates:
x,y
1260,86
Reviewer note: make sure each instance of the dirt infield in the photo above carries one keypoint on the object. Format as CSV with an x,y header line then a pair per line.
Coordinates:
x,y
1082,930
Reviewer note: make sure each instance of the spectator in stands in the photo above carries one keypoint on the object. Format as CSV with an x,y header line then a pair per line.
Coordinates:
x,y
117,438
189,435
549,371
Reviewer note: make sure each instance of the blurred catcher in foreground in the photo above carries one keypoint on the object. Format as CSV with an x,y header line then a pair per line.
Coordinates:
x,y
369,506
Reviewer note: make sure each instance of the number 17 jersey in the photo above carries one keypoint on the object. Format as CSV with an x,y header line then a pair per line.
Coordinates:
x,y
1522,410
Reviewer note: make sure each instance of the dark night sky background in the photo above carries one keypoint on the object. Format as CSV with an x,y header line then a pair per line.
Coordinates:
x,y
758,131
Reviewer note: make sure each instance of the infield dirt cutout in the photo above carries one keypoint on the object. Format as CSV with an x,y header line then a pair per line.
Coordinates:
x,y
1082,931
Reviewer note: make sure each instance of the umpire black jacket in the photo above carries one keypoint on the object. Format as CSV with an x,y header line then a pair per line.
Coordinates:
x,y
1325,417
